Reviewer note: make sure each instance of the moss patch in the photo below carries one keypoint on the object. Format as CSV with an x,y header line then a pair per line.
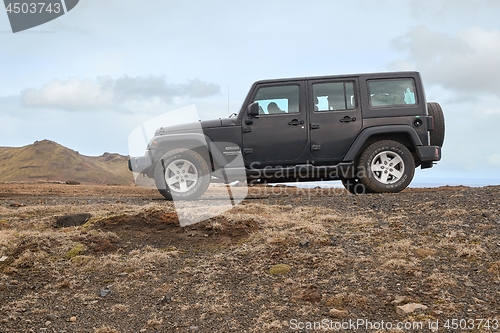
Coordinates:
x,y
77,250
279,269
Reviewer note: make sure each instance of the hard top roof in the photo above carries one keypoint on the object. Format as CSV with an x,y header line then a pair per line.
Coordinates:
x,y
342,76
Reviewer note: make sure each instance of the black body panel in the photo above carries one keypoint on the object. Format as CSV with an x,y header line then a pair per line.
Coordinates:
x,y
318,124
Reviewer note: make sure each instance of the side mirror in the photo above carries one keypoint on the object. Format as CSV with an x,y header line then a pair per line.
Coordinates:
x,y
253,110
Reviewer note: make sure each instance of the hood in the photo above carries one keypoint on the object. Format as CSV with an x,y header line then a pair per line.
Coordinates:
x,y
190,127
196,126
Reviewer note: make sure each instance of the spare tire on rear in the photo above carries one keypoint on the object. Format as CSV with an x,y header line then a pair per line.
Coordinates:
x,y
437,135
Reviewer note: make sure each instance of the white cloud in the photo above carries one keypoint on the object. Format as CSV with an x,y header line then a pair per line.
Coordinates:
x,y
72,94
491,111
107,93
444,9
466,63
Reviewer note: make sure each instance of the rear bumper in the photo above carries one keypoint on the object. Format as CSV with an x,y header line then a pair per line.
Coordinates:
x,y
428,155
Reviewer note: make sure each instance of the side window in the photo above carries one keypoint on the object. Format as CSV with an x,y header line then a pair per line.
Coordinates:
x,y
389,92
334,96
278,99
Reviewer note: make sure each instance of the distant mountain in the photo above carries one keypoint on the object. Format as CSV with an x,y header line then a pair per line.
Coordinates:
x,y
49,161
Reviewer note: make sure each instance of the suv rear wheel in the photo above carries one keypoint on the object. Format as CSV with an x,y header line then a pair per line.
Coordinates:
x,y
386,166
182,174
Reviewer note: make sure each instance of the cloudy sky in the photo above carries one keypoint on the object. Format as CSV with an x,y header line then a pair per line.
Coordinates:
x,y
88,78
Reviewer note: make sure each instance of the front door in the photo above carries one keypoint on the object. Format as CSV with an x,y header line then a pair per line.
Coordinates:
x,y
278,136
335,117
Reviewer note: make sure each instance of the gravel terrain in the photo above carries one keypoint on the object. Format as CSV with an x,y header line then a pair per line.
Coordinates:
x,y
104,259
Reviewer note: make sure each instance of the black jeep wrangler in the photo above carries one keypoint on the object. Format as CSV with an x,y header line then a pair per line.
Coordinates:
x,y
368,130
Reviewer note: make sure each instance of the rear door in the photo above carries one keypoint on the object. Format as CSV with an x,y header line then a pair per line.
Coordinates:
x,y
335,116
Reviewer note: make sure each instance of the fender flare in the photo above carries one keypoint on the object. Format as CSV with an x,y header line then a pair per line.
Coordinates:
x,y
192,140
369,132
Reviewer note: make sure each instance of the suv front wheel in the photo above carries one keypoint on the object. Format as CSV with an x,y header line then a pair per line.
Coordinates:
x,y
386,167
182,174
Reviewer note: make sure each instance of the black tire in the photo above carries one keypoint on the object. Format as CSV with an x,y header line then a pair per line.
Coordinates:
x,y
354,186
437,135
182,174
386,167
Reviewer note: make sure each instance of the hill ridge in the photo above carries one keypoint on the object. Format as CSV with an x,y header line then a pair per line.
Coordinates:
x,y
47,160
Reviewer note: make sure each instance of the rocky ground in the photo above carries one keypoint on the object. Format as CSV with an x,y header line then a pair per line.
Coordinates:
x,y
282,260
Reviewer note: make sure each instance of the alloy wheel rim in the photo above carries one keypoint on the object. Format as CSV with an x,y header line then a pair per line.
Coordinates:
x,y
387,167
181,176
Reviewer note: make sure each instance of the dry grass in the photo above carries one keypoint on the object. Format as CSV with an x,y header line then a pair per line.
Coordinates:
x,y
425,252
105,329
494,268
440,280
219,275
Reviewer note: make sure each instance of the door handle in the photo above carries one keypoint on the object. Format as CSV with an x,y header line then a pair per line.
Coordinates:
x,y
296,122
348,119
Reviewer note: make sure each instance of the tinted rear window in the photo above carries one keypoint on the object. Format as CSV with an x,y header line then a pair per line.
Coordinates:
x,y
392,92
